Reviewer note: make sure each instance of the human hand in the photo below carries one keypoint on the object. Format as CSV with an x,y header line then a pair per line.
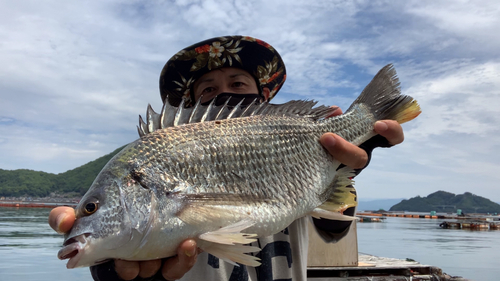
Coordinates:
x,y
61,219
173,268
350,154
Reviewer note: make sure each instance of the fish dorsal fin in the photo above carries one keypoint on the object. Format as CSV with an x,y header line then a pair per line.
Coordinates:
x,y
175,116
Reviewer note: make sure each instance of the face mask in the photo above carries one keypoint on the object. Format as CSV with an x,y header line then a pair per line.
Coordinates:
x,y
234,99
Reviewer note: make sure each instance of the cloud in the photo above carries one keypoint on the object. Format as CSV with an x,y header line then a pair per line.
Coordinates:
x,y
464,19
75,76
461,100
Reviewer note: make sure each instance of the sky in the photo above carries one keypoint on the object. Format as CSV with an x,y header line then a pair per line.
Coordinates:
x,y
75,75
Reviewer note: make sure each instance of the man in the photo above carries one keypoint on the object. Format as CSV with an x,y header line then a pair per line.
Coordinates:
x,y
235,68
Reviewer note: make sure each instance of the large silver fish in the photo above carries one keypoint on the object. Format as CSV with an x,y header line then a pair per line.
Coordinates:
x,y
224,176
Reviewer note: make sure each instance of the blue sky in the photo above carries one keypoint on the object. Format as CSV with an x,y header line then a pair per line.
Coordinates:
x,y
75,76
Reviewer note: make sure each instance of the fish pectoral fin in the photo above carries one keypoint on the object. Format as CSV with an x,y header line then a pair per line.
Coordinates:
x,y
233,254
224,199
226,243
216,208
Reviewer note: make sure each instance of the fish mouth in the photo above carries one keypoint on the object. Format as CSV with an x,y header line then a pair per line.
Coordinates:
x,y
73,249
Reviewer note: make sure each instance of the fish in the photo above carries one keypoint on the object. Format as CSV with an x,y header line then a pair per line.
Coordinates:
x,y
225,176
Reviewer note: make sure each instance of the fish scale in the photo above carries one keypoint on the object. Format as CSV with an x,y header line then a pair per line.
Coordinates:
x,y
246,156
293,131
225,182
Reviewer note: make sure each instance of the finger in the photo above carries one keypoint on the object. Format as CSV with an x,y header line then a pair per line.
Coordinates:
x,y
149,268
127,270
177,266
61,219
344,151
391,130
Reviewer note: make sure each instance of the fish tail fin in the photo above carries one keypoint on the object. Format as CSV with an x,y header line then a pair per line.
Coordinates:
x,y
383,96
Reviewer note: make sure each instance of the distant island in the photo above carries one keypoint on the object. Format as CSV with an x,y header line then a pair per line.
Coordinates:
x,y
442,201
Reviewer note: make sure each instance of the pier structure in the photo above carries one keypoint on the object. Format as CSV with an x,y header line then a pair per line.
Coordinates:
x,y
471,225
481,217
375,268
36,204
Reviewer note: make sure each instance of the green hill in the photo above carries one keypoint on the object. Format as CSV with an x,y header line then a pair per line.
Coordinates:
x,y
26,182
442,201
23,182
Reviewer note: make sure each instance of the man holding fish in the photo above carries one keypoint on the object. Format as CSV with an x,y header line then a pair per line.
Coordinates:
x,y
235,71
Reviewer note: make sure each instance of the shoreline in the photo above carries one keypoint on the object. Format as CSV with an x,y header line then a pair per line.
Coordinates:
x,y
36,204
421,215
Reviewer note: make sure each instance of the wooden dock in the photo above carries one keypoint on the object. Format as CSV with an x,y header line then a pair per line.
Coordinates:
x,y
377,269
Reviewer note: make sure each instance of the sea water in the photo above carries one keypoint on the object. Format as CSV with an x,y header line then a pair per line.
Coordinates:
x,y
471,254
28,247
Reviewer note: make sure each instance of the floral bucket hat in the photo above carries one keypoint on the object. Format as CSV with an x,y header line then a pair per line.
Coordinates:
x,y
250,54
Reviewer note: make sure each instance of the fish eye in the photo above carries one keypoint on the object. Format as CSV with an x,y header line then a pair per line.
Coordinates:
x,y
90,208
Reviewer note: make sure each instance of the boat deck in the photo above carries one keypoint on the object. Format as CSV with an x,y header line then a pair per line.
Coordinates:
x,y
375,268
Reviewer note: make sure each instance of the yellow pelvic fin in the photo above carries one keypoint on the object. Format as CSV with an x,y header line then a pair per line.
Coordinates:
x,y
342,194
